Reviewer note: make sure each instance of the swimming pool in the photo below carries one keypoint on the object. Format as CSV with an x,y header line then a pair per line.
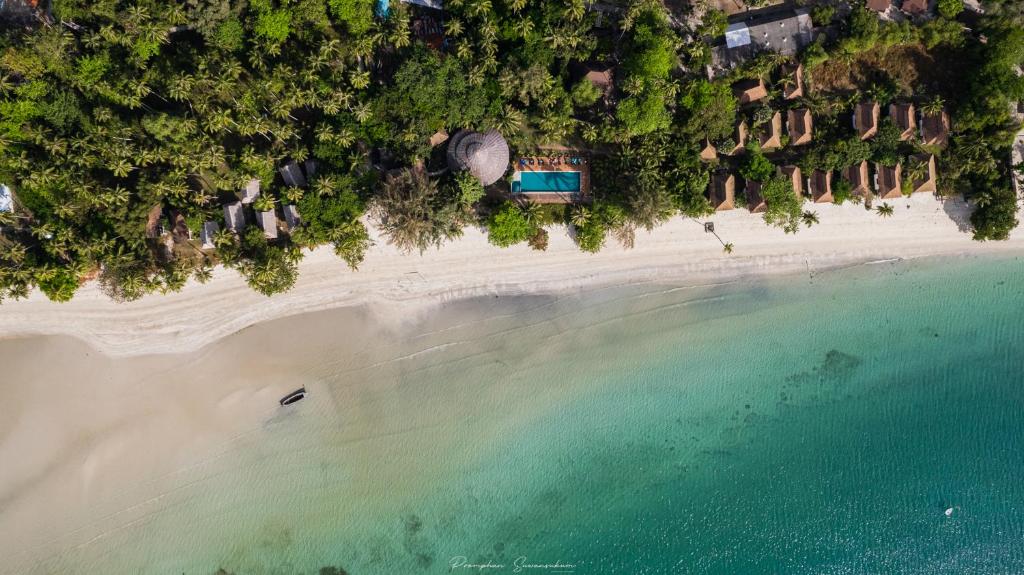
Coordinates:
x,y
547,182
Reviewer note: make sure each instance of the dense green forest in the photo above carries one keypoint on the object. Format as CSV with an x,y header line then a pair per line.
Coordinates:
x,y
121,117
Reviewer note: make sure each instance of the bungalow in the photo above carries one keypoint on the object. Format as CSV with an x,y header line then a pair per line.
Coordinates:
x,y
857,175
879,5
722,191
793,173
749,91
903,116
888,181
251,192
234,217
865,119
740,138
268,222
291,216
601,78
708,153
793,81
915,7
292,175
935,129
820,186
755,201
771,133
208,233
927,183
800,124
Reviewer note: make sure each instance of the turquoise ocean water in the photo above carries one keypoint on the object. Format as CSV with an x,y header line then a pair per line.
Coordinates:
x,y
819,424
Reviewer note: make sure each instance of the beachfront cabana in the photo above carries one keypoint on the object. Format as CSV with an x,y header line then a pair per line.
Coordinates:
x,y
722,191
750,91
935,129
879,5
857,175
800,124
268,223
888,181
771,133
793,81
820,186
484,155
251,192
234,217
292,175
903,116
291,216
755,201
926,182
865,119
792,173
207,235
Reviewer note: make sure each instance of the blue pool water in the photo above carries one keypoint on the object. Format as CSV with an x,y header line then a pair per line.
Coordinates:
x,y
383,8
549,182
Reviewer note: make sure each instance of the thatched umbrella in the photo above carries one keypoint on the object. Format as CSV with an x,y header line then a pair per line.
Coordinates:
x,y
483,155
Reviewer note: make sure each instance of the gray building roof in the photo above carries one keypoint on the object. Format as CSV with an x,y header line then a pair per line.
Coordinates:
x,y
783,32
210,229
291,216
251,191
292,175
234,217
268,221
435,4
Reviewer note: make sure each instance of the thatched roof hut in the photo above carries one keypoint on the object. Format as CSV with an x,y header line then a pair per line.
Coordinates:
x,y
905,118
801,126
483,155
722,191
889,181
865,119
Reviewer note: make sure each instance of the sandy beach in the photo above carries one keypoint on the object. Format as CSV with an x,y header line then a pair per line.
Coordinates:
x,y
679,252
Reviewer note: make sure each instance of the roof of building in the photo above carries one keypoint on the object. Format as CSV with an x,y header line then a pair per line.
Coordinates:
x,y
291,216
251,191
793,173
6,200
740,135
748,91
903,116
865,119
928,184
935,129
857,175
755,201
439,137
801,126
915,6
268,221
888,181
794,81
737,35
771,133
234,217
820,186
784,32
708,152
292,175
722,191
879,5
483,155
600,78
207,234
435,4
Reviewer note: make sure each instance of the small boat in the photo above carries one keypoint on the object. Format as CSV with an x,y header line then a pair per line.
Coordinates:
x,y
295,396
949,512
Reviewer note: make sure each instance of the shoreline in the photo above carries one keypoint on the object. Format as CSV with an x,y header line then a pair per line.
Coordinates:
x,y
399,287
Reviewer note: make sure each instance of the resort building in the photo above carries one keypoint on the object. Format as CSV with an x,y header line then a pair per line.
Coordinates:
x,y
755,201
888,181
793,81
739,136
234,217
484,155
915,7
800,126
865,119
749,91
435,4
561,177
251,192
722,191
784,32
904,118
291,216
935,129
708,153
793,173
771,133
208,233
857,175
292,175
879,5
820,186
268,222
927,181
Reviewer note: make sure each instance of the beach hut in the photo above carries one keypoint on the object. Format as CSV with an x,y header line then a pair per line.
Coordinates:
x,y
234,217
935,129
291,216
739,136
484,155
865,119
820,186
879,5
794,176
708,153
906,121
600,78
771,133
800,124
915,7
292,175
209,232
268,222
251,192
755,201
922,170
749,91
793,81
888,181
722,191
857,175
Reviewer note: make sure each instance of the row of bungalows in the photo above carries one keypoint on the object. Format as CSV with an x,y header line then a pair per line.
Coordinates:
x,y
887,184
235,212
932,128
753,91
799,125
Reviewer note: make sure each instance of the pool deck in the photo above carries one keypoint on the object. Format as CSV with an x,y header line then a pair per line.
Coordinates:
x,y
557,162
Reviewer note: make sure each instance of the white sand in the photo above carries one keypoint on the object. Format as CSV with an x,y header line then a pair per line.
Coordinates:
x,y
679,252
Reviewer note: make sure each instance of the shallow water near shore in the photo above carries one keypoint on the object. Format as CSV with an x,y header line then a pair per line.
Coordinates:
x,y
820,423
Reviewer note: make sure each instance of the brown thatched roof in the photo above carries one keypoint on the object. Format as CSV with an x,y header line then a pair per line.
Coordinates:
x,y
722,191
801,127
865,119
483,155
889,181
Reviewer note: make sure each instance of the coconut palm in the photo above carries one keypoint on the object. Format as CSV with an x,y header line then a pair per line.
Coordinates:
x,y
727,248
933,107
580,216
885,210
809,218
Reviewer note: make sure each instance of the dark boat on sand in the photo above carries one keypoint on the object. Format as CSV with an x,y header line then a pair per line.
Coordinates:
x,y
295,396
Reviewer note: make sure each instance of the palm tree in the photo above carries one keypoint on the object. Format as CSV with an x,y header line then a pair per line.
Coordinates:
x,y
933,107
727,248
885,210
809,218
580,216
532,212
